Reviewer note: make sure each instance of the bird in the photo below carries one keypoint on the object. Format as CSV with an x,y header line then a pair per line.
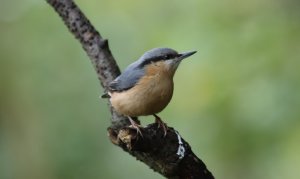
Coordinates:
x,y
146,86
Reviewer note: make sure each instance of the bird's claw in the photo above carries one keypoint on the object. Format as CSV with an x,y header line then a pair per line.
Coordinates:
x,y
160,123
135,126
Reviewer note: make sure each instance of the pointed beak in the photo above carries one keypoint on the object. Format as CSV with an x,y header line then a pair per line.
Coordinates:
x,y
186,54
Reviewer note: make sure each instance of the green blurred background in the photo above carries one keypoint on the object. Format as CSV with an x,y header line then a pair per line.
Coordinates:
x,y
236,101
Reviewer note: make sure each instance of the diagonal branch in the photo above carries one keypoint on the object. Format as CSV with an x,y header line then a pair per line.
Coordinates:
x,y
171,156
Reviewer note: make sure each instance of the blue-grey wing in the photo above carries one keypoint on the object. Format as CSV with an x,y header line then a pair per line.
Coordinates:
x,y
128,78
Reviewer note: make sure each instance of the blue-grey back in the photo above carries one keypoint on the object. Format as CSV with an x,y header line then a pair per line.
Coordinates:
x,y
128,78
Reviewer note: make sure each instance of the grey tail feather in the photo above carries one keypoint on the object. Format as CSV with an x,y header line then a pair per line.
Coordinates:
x,y
105,95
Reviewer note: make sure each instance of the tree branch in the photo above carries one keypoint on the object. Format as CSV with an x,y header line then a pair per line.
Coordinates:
x,y
171,156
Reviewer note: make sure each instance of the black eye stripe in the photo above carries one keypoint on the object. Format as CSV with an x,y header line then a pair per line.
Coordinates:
x,y
170,56
150,60
158,58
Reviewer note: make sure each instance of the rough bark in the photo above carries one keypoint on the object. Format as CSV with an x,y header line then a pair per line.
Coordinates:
x,y
171,156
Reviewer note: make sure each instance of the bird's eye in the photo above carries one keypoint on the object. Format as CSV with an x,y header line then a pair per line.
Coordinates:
x,y
166,57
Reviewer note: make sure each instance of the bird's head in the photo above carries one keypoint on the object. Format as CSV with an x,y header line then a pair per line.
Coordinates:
x,y
163,58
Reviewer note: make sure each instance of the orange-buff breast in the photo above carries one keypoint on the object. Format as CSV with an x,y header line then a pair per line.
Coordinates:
x,y
150,95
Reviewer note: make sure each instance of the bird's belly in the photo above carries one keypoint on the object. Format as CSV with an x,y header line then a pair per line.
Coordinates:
x,y
146,98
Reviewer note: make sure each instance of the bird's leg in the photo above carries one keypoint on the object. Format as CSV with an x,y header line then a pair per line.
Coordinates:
x,y
135,126
161,124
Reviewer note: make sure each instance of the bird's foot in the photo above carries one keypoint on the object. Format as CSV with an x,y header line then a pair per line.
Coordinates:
x,y
135,126
161,124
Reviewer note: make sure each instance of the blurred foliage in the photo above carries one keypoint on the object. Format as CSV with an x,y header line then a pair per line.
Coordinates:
x,y
236,101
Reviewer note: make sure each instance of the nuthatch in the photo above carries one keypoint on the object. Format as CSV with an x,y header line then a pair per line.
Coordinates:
x,y
146,86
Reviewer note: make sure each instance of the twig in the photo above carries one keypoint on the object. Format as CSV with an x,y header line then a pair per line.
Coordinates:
x,y
171,156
